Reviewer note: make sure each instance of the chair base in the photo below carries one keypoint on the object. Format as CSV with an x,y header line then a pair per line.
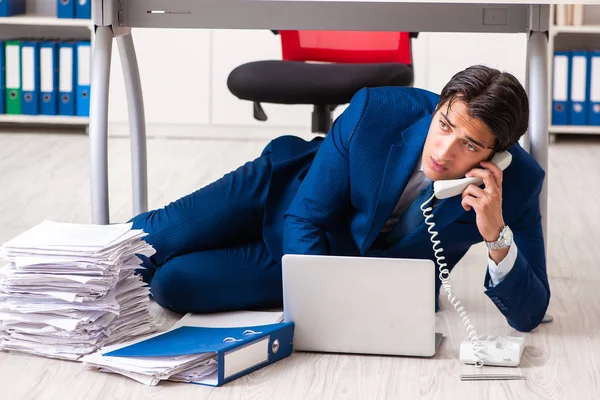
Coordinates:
x,y
322,118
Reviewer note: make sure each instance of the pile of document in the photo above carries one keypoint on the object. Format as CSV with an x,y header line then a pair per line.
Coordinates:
x,y
69,289
150,369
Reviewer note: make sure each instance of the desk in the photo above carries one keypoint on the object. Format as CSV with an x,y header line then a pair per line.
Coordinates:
x,y
115,18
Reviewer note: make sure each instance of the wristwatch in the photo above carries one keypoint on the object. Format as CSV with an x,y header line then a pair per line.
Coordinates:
x,y
504,240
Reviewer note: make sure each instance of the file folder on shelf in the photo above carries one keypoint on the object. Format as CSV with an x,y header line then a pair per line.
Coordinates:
x,y
30,78
8,8
83,9
2,80
84,72
48,78
560,88
12,57
579,88
65,8
221,354
594,92
66,82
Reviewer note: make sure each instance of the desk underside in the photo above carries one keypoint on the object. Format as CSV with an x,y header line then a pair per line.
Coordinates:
x,y
334,15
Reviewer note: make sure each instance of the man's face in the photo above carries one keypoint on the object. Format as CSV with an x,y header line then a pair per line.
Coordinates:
x,y
456,143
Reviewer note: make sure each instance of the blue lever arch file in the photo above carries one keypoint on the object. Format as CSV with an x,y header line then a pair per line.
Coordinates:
x,y
65,8
560,88
83,9
2,79
579,88
594,92
236,351
49,78
30,78
84,78
8,8
66,82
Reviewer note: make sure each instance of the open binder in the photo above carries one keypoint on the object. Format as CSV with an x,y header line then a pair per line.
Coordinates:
x,y
201,355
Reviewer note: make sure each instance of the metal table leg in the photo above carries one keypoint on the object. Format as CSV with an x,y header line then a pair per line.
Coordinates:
x,y
537,50
137,122
99,124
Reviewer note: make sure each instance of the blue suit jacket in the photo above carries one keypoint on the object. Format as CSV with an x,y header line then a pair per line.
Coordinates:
x,y
334,195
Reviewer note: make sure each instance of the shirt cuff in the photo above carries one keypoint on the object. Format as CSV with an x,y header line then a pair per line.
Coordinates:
x,y
499,271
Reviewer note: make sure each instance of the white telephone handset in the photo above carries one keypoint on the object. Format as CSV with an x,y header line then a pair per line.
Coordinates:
x,y
479,350
454,187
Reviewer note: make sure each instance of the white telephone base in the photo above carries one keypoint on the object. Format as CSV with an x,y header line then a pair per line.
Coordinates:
x,y
500,351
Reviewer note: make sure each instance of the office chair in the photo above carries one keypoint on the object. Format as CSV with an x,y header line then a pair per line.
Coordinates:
x,y
324,69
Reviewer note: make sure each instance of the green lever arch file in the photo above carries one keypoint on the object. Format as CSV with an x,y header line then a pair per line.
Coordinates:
x,y
13,76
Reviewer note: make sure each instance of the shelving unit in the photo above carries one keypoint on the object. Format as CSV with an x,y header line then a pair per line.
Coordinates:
x,y
44,119
568,37
40,22
45,20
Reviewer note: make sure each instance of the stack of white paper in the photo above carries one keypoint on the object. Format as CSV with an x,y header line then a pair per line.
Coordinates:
x,y
151,370
69,289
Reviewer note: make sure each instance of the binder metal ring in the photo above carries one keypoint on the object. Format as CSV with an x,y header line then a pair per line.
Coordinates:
x,y
230,339
28,97
13,94
250,332
65,98
46,98
275,346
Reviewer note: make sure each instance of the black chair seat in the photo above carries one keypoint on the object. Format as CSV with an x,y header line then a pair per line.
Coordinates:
x,y
295,82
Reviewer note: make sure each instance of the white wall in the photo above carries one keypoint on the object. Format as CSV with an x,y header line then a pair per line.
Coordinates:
x,y
189,88
175,84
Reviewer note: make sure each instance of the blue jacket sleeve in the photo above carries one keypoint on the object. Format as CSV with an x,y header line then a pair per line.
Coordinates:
x,y
324,194
524,294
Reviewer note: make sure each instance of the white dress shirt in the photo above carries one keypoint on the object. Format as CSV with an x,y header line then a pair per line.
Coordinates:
x,y
415,184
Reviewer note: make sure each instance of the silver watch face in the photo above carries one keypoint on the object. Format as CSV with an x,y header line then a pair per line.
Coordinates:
x,y
507,235
504,241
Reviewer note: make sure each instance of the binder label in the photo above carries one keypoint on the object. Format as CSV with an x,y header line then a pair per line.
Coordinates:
x,y
13,66
28,55
46,70
595,81
84,55
561,66
246,357
578,77
66,70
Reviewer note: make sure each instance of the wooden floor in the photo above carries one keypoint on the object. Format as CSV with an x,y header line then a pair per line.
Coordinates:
x,y
47,177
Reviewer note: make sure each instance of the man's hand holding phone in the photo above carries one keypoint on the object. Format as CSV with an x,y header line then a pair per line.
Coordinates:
x,y
487,203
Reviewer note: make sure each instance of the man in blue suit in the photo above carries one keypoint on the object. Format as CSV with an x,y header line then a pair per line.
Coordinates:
x,y
352,193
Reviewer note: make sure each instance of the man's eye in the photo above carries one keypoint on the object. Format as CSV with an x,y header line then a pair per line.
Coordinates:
x,y
470,146
443,125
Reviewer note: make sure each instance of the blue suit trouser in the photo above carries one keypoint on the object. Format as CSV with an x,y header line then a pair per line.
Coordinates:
x,y
210,253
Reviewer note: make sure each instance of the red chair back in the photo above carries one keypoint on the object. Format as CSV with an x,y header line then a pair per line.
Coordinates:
x,y
346,46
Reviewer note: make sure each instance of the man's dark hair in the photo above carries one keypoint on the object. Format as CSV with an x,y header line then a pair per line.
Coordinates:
x,y
495,98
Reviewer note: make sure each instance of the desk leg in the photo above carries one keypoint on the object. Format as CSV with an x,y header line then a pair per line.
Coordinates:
x,y
537,50
137,123
99,124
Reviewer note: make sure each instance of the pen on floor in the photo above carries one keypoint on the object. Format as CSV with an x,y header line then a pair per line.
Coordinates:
x,y
491,377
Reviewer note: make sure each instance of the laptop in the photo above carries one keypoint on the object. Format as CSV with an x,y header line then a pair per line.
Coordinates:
x,y
361,305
